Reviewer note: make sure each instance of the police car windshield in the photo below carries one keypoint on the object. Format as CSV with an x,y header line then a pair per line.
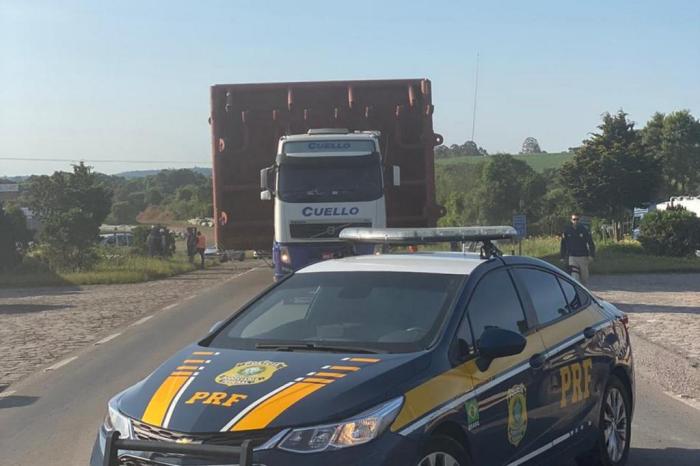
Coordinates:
x,y
375,311
330,179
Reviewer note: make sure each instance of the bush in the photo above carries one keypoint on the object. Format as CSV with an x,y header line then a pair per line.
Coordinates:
x,y
672,232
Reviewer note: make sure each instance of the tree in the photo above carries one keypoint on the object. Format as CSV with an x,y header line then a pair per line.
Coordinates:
x,y
71,207
674,139
671,232
612,171
9,257
530,146
508,185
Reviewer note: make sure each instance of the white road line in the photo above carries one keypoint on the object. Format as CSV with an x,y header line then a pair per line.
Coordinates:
x,y
60,364
106,339
141,321
7,393
170,306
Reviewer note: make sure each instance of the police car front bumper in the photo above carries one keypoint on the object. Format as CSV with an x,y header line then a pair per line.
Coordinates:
x,y
388,450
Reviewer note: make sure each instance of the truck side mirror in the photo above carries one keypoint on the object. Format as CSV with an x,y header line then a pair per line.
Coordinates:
x,y
267,183
396,175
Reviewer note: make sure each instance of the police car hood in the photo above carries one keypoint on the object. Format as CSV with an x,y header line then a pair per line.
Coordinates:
x,y
211,390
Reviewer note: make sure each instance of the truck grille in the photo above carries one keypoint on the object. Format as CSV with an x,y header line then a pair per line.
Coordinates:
x,y
144,431
322,230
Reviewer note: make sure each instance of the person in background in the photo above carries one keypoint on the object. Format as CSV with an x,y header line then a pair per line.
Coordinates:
x,y
201,246
151,242
191,241
577,249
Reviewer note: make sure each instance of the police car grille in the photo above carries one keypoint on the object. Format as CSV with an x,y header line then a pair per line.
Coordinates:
x,y
322,230
144,431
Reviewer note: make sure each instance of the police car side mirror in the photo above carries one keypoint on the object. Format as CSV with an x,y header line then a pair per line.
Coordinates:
x,y
216,326
497,343
265,195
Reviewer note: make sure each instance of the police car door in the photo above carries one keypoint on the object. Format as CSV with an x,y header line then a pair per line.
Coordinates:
x,y
506,391
563,315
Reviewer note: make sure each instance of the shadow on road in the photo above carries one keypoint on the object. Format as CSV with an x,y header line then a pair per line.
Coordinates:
x,y
27,308
17,401
642,308
8,293
664,456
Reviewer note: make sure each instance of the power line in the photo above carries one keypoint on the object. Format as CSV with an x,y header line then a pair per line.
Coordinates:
x,y
79,159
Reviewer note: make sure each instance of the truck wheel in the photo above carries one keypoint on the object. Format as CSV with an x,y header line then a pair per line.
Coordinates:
x,y
442,451
614,424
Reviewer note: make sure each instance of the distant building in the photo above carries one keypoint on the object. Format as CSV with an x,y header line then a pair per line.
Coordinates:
x,y
9,192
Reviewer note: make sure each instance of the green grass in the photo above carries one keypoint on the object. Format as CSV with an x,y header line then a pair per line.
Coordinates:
x,y
538,162
614,258
111,270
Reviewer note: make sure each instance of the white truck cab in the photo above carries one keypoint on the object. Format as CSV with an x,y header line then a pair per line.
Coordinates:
x,y
322,182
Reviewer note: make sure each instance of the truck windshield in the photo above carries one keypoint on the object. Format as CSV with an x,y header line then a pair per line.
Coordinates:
x,y
368,311
330,179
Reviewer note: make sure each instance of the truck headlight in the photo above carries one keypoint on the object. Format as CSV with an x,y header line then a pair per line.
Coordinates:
x,y
114,420
355,431
285,258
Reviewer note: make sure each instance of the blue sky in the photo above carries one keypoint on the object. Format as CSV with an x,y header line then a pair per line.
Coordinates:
x,y
129,80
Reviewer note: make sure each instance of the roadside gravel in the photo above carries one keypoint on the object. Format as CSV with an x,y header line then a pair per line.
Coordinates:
x,y
664,314
39,326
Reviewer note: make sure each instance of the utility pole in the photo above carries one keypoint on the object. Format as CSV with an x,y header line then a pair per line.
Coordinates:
x,y
476,89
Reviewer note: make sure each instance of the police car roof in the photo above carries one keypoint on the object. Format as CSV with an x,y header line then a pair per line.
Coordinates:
x,y
454,263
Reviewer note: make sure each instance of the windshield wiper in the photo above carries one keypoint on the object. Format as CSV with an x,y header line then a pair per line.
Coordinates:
x,y
314,347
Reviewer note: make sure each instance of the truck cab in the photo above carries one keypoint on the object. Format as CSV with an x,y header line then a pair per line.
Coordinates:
x,y
321,182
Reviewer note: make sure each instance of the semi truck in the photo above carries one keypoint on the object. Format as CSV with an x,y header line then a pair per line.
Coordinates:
x,y
295,163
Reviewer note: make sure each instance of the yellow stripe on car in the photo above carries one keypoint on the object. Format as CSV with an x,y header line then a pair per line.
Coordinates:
x,y
158,406
270,409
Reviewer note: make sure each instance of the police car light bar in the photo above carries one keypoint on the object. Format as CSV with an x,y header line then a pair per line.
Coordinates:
x,y
408,236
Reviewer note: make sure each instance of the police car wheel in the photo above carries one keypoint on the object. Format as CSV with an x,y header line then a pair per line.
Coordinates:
x,y
615,426
442,451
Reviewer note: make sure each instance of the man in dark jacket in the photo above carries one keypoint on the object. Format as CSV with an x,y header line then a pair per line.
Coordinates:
x,y
577,248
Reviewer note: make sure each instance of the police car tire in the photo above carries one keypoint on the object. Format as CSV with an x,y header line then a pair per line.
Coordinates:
x,y
599,455
443,444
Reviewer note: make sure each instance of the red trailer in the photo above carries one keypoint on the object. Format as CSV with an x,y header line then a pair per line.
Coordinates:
x,y
247,121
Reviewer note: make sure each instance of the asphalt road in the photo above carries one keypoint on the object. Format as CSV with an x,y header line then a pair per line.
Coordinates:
x,y
52,416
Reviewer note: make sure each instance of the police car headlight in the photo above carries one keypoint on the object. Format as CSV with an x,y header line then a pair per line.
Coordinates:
x,y
355,431
117,421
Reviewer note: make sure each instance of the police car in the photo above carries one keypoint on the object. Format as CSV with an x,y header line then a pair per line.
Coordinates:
x,y
423,359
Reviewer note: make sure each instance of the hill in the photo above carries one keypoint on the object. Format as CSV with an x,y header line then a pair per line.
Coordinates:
x,y
206,171
538,162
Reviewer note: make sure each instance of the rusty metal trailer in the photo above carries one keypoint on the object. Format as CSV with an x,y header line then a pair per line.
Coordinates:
x,y
247,121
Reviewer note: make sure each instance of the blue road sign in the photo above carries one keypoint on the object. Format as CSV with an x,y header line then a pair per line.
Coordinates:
x,y
520,224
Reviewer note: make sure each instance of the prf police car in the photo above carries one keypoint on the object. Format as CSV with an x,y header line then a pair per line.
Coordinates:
x,y
425,359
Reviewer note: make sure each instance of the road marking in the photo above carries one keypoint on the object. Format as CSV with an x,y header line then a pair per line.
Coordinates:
x,y
60,364
7,393
141,321
170,306
106,339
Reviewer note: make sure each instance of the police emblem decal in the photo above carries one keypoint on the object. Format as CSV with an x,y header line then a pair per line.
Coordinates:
x,y
517,413
472,409
249,373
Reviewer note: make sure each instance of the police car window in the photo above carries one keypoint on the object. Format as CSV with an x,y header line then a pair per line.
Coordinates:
x,y
495,303
546,294
573,299
383,311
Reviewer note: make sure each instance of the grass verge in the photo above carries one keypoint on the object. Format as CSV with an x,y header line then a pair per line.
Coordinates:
x,y
614,258
109,271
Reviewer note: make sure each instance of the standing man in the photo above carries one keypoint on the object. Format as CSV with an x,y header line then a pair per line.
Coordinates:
x,y
201,246
577,245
